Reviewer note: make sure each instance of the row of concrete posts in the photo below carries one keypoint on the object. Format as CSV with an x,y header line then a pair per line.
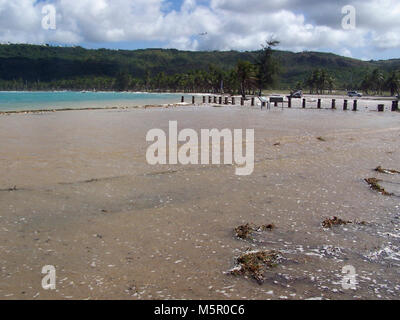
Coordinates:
x,y
225,100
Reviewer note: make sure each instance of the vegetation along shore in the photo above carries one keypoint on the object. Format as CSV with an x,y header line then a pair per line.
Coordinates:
x,y
34,67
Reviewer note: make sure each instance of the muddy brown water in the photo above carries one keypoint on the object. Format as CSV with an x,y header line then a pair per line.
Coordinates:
x,y
87,202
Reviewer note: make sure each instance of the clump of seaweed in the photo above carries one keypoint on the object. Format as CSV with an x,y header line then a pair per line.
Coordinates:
x,y
254,264
386,171
363,223
374,184
267,227
245,231
10,189
335,221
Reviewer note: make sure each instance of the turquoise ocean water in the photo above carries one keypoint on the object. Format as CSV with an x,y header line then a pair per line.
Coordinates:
x,y
18,101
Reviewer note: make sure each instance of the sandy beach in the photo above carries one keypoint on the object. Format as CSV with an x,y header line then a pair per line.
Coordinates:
x,y
76,192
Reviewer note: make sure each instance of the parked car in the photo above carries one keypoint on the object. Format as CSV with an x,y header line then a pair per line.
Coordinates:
x,y
297,95
354,94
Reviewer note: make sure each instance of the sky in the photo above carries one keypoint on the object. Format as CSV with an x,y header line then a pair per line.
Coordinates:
x,y
372,32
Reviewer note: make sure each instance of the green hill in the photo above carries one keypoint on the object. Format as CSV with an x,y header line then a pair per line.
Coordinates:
x,y
33,63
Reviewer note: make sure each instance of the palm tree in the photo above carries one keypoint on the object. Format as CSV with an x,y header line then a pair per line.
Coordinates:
x,y
246,75
377,79
366,83
331,83
393,83
267,65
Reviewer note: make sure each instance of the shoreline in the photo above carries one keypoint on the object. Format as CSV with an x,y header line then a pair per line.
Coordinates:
x,y
311,105
310,99
92,109
265,93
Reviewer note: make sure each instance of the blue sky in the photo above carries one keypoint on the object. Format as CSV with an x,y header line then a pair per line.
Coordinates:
x,y
313,25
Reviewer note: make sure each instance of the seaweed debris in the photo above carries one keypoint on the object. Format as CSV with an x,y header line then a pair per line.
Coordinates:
x,y
9,189
335,221
245,231
374,184
386,171
255,263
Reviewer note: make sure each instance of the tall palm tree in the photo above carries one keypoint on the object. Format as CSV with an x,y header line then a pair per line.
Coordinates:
x,y
393,83
378,80
246,74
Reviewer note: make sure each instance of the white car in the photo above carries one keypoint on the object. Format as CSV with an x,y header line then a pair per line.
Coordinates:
x,y
354,94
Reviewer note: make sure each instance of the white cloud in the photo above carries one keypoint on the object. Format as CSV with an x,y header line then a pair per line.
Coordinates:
x,y
346,53
230,24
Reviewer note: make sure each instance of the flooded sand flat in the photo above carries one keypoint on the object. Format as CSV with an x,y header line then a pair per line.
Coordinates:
x,y
77,193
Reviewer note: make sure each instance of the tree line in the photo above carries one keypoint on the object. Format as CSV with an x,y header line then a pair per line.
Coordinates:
x,y
236,73
245,78
375,82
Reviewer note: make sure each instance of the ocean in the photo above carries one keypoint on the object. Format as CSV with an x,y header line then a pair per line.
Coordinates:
x,y
21,101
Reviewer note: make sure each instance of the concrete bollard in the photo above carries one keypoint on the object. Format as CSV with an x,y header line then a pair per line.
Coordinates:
x,y
381,107
252,102
204,99
183,99
193,100
333,103
304,103
220,100
345,105
355,105
395,106
233,101
209,99
319,104
226,100
289,102
215,99
242,101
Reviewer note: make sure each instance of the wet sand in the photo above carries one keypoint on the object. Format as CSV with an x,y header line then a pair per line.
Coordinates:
x,y
76,192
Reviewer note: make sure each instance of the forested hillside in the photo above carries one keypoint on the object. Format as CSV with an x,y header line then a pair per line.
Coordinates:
x,y
43,67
